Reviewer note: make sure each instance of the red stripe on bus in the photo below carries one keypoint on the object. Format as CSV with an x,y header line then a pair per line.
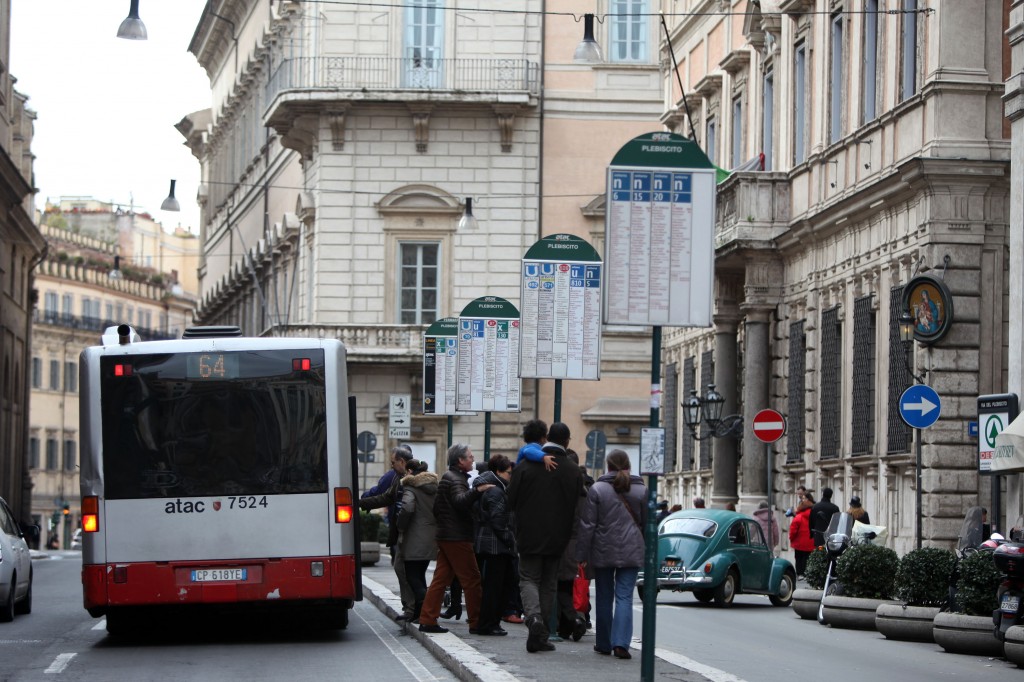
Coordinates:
x,y
279,580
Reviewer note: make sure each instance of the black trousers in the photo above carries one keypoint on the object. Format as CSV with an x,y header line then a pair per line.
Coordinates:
x,y
497,576
416,574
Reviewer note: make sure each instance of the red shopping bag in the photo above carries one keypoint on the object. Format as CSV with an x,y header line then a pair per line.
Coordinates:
x,y
581,591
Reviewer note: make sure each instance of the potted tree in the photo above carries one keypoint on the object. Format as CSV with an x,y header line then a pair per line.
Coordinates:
x,y
867,574
922,587
806,600
967,629
369,538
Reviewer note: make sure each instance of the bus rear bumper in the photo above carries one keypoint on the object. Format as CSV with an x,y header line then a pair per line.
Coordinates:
x,y
290,580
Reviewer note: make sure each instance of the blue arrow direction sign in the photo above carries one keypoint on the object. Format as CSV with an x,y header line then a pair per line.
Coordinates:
x,y
920,406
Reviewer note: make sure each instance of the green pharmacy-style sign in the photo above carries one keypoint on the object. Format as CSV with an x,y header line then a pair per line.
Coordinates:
x,y
561,310
488,357
659,233
440,365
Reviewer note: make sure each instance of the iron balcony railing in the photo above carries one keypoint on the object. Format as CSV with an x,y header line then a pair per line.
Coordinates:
x,y
384,74
93,324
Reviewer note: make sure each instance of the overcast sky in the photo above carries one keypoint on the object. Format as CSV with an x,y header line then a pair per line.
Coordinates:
x,y
106,107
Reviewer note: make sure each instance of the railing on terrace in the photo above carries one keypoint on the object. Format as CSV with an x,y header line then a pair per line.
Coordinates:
x,y
394,73
94,324
365,341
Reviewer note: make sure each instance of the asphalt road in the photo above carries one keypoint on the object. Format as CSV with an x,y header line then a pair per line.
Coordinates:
x,y
60,641
757,642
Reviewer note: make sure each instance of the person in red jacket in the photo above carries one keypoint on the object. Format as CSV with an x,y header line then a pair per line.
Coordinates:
x,y
800,533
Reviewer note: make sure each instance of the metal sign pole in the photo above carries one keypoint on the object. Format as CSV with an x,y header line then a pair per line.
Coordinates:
x,y
918,501
651,531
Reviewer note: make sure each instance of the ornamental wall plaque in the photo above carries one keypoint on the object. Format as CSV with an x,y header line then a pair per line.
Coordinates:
x,y
930,304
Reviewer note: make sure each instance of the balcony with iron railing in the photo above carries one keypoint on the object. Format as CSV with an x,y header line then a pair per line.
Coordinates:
x,y
371,343
395,79
302,86
84,323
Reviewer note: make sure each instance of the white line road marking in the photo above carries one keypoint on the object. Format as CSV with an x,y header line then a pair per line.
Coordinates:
x,y
100,625
417,669
60,663
713,674
20,641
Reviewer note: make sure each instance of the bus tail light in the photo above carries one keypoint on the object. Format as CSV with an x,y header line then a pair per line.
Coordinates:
x,y
90,514
342,505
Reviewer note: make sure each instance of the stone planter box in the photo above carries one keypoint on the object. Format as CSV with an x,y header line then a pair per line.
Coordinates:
x,y
852,613
960,634
369,553
805,603
1013,647
906,623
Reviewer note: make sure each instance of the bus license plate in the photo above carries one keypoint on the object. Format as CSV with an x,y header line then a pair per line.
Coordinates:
x,y
1010,603
212,575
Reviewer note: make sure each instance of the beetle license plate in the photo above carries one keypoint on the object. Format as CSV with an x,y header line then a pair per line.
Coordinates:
x,y
1010,603
219,575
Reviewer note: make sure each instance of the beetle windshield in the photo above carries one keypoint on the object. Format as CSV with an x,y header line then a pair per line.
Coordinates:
x,y
704,528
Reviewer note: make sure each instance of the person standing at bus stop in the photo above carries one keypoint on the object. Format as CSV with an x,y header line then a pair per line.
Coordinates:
x,y
453,513
388,493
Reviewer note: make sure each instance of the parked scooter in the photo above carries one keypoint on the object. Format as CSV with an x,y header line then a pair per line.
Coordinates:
x,y
838,538
1009,558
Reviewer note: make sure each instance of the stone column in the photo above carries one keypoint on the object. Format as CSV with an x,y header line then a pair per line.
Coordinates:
x,y
723,465
756,372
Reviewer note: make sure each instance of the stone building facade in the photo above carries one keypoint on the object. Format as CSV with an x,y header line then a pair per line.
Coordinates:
x,y
21,248
879,128
337,158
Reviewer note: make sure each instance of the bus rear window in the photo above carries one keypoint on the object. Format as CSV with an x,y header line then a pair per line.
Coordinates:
x,y
206,424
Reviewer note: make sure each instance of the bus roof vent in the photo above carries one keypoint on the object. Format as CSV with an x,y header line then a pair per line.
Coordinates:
x,y
210,332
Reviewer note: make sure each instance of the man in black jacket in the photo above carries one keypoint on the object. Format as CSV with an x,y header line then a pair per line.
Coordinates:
x,y
821,514
544,503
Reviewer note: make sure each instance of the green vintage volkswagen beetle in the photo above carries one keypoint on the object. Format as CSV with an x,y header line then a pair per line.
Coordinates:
x,y
717,554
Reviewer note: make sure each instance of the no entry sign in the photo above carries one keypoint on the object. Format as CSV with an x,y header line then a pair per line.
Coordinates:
x,y
769,426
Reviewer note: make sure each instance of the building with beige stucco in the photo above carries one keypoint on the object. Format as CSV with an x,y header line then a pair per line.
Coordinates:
x,y
337,157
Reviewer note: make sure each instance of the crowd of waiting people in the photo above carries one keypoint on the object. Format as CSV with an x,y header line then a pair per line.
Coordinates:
x,y
519,541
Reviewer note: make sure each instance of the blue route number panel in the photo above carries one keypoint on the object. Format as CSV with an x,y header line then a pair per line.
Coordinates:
x,y
920,406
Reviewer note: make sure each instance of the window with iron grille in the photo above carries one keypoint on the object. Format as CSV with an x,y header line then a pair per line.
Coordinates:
x,y
671,401
898,434
707,376
795,403
863,432
831,378
689,379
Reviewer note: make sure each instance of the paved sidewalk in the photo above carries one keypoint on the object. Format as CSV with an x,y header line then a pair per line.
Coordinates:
x,y
502,659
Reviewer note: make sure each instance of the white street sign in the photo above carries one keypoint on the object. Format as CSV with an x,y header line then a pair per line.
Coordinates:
x,y
398,432
400,412
488,357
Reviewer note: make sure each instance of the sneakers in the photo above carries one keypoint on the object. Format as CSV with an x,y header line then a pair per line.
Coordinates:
x,y
433,629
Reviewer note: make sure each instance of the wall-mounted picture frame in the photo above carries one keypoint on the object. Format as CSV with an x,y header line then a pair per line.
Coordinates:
x,y
930,304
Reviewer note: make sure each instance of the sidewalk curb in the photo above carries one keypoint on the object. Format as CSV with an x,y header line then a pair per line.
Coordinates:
x,y
464,661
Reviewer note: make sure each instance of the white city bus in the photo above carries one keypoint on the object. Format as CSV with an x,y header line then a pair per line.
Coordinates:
x,y
217,472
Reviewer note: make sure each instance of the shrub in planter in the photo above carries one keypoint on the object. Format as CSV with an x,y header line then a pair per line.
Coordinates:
x,y
922,578
369,527
816,569
977,586
867,571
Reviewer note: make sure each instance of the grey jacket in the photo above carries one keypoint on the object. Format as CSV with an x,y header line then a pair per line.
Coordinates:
x,y
416,517
609,535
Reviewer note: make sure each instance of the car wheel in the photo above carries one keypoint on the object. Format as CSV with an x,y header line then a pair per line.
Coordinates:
x,y
726,592
7,608
785,594
704,596
25,605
